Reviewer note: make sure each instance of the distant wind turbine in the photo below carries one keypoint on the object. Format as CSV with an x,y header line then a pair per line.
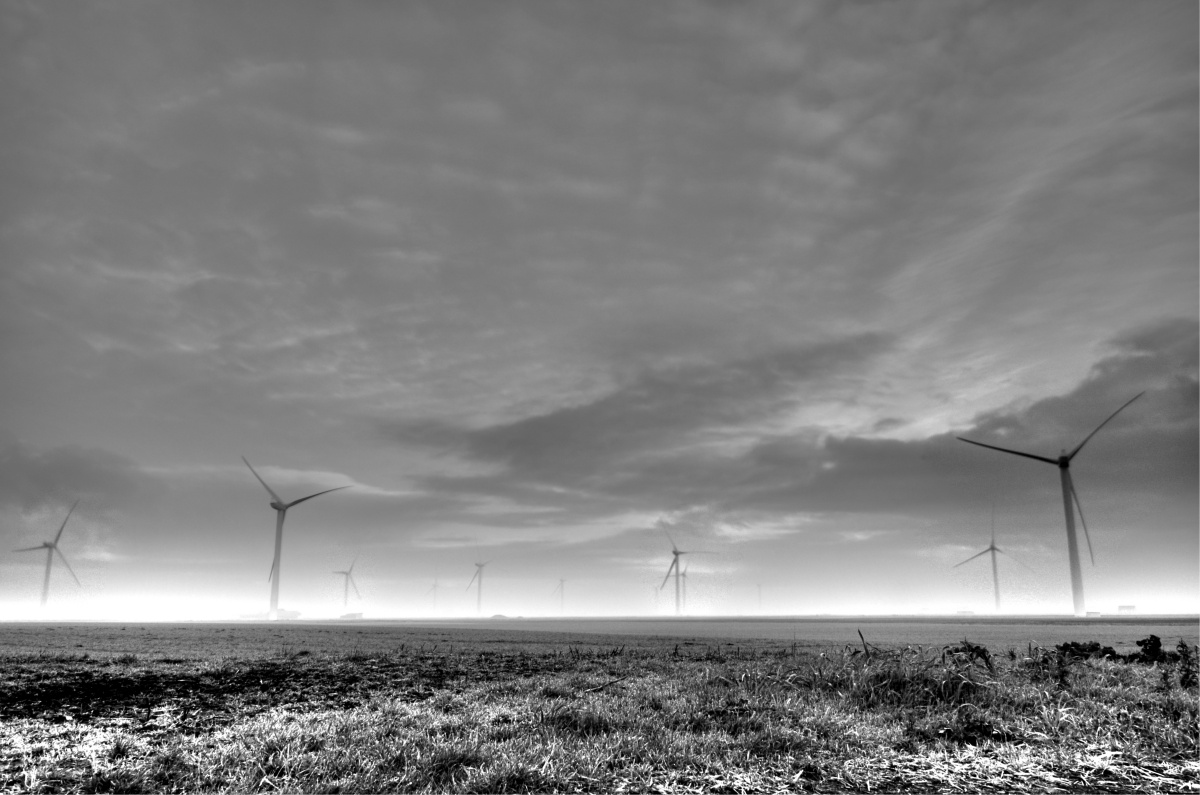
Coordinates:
x,y
1063,462
51,547
479,589
347,581
433,589
993,549
281,509
676,552
562,596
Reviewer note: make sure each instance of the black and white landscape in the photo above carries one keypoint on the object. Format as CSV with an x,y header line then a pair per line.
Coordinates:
x,y
532,283
700,396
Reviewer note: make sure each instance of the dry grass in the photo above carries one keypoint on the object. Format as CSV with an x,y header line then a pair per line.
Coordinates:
x,y
601,720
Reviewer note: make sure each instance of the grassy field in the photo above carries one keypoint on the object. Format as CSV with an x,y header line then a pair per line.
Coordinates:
x,y
256,639
525,716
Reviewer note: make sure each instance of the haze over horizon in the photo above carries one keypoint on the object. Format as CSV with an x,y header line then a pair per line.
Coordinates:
x,y
542,280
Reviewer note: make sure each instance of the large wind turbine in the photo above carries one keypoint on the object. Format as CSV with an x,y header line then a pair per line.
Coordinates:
x,y
993,549
281,509
479,589
1063,462
347,581
676,552
51,547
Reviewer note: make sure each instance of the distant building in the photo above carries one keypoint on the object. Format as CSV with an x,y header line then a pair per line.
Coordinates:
x,y
1126,609
351,617
1093,614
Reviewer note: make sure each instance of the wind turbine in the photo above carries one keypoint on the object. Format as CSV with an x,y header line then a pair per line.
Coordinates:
x,y
347,581
1063,462
433,589
281,509
51,547
479,589
676,552
562,596
993,549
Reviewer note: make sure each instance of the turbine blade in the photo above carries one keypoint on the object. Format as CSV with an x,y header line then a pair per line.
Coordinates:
x,y
68,565
670,568
274,565
64,524
297,502
1082,521
472,582
1015,560
309,497
354,585
270,491
1071,454
30,549
1006,450
673,547
968,560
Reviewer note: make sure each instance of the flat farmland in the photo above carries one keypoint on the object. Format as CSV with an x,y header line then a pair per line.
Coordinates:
x,y
629,705
258,639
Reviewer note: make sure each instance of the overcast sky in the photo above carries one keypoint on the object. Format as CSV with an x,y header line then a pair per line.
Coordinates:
x,y
543,279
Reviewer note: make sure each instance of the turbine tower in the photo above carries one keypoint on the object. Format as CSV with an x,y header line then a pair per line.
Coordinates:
x,y
993,549
561,590
281,509
51,547
1063,462
347,581
676,552
479,589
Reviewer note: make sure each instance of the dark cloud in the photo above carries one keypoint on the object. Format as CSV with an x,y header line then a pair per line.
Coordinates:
x,y
631,449
1149,452
639,437
30,480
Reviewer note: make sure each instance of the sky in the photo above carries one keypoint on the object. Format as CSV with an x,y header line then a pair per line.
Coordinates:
x,y
550,285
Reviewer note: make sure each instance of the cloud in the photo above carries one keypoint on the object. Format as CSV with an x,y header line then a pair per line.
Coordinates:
x,y
1149,452
650,425
700,438
32,480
